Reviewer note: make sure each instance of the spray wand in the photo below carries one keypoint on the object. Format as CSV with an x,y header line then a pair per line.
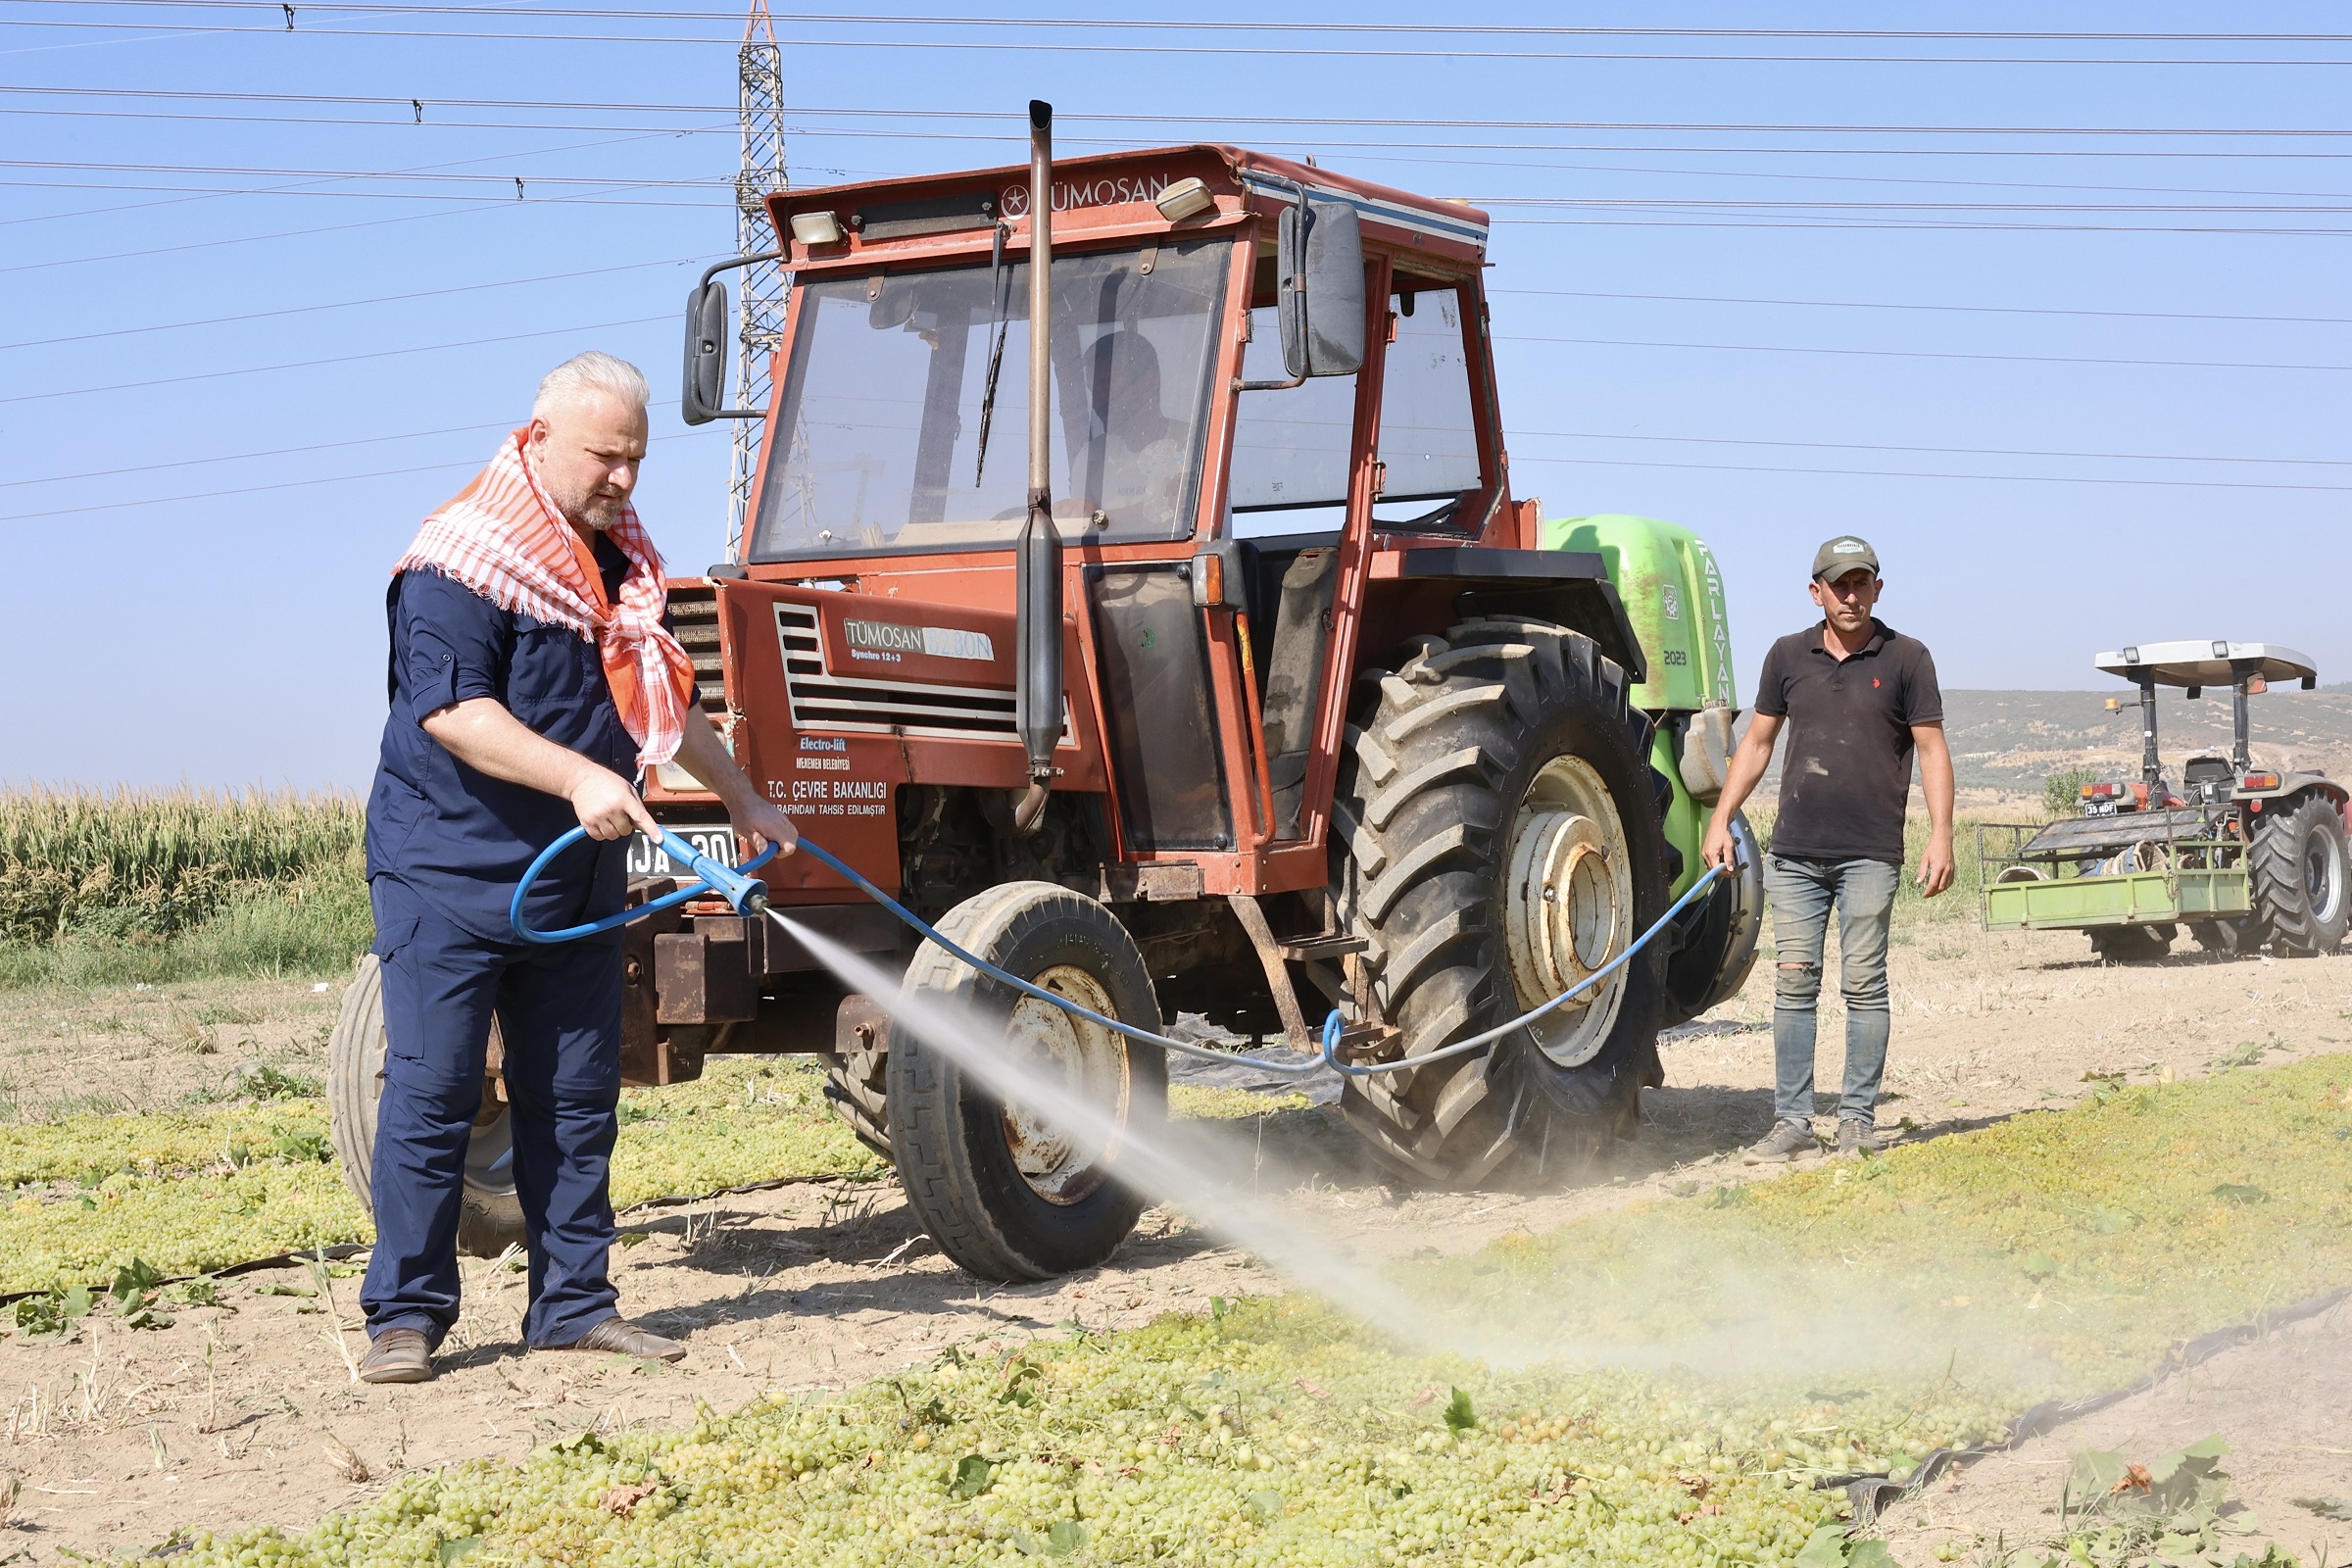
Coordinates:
x,y
748,895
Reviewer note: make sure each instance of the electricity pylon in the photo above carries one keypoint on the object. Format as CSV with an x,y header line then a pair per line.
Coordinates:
x,y
760,107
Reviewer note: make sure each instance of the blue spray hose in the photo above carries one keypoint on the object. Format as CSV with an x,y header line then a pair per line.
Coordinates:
x,y
743,893
710,876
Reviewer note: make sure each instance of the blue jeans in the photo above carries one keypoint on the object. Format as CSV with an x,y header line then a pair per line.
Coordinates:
x,y
559,1010
1801,892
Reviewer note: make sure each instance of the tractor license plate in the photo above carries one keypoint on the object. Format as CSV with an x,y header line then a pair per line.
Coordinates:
x,y
717,840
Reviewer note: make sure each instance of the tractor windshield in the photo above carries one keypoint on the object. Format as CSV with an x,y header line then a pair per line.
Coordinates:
x,y
885,409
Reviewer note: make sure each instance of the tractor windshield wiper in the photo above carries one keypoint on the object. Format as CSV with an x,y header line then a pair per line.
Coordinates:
x,y
999,323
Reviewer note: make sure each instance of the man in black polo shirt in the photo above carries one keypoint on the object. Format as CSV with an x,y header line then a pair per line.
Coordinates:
x,y
1859,699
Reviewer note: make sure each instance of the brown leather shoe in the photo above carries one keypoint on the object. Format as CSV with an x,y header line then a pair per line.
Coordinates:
x,y
398,1356
618,1336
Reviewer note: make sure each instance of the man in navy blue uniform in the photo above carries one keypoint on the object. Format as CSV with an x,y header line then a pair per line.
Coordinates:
x,y
507,727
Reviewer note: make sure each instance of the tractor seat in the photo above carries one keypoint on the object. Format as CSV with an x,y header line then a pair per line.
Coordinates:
x,y
2207,780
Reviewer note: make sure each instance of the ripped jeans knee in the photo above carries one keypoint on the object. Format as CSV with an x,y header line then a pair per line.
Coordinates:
x,y
1795,984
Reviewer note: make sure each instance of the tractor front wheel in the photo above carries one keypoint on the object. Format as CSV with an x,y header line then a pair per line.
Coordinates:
x,y
2298,869
1495,840
490,1214
1008,1115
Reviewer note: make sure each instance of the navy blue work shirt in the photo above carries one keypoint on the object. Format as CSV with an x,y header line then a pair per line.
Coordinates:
x,y
460,839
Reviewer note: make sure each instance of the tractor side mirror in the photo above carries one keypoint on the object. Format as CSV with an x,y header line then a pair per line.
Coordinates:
x,y
1319,256
700,397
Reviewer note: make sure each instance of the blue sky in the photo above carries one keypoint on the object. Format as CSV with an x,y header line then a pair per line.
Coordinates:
x,y
1707,308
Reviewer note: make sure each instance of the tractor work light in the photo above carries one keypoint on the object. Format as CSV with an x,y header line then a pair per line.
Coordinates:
x,y
816,228
2259,781
1186,198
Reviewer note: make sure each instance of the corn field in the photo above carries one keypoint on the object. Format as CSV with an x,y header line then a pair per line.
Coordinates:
x,y
134,867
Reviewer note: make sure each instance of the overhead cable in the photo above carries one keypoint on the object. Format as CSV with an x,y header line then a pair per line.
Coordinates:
x,y
1163,50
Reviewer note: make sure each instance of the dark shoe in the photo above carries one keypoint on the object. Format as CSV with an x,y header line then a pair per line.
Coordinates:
x,y
398,1356
1785,1141
1856,1138
618,1336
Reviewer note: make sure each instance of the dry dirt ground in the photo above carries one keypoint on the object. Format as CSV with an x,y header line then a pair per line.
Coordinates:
x,y
232,1418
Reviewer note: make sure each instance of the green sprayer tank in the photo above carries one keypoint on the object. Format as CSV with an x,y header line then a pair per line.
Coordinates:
x,y
1673,596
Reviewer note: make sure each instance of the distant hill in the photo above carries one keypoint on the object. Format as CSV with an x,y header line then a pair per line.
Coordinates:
x,y
2005,744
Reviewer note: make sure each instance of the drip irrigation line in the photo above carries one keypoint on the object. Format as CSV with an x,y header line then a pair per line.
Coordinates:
x,y
1873,1493
274,27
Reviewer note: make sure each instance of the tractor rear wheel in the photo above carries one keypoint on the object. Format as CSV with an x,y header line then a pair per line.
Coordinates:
x,y
1009,1194
2297,860
1495,840
490,1214
2131,943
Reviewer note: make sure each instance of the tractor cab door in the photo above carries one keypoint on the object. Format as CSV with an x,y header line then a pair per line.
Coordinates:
x,y
1296,451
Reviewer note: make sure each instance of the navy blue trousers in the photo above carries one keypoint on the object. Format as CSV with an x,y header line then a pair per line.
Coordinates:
x,y
558,1013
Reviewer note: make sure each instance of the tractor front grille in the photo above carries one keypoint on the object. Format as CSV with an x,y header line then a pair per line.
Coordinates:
x,y
694,621
824,700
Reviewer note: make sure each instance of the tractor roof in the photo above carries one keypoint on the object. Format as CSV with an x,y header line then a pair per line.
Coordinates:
x,y
1108,192
2207,664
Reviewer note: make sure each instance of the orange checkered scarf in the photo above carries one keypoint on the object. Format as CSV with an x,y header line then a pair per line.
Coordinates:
x,y
501,537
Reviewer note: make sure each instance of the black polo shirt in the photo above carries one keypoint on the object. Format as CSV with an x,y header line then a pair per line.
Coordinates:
x,y
1846,777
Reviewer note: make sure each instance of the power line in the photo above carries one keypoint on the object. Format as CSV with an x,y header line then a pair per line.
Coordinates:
x,y
1393,149
248,457
258,489
341,304
1907,473
1160,25
427,173
185,29
1916,354
405,105
1972,309
339,359
1975,452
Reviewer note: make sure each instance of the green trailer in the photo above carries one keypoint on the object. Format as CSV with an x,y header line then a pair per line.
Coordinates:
x,y
2242,857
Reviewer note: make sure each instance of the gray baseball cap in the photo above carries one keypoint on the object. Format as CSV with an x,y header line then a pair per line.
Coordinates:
x,y
1842,555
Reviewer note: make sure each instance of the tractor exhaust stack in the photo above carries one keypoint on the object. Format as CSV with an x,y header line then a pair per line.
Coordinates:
x,y
1038,694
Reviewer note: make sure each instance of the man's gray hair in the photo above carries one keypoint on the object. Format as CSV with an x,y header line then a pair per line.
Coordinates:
x,y
592,371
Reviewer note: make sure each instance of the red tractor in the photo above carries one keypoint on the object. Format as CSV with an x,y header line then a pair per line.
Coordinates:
x,y
1218,670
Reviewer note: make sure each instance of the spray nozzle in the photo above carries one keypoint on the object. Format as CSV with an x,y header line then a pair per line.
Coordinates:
x,y
741,893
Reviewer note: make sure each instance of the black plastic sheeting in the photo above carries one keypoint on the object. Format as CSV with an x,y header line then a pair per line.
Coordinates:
x,y
1873,1495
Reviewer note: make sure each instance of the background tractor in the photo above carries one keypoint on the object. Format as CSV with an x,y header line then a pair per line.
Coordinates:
x,y
1222,673
2244,857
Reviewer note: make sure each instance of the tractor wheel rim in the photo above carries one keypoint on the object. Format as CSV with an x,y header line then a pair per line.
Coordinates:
x,y
1568,906
1088,1062
2323,876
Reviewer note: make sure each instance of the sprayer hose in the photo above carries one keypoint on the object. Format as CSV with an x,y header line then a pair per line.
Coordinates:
x,y
1333,1026
731,885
